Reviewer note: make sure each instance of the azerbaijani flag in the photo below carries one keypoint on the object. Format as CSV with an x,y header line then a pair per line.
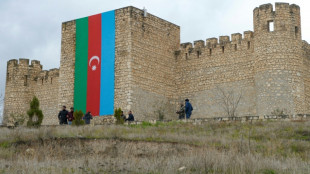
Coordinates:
x,y
94,64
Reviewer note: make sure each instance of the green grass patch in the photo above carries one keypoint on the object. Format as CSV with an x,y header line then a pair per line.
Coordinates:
x,y
298,148
268,171
5,144
303,135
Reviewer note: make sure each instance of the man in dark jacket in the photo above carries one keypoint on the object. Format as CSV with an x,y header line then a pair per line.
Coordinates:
x,y
130,117
62,116
87,117
188,109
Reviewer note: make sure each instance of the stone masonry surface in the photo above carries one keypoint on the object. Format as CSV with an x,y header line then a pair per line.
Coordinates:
x,y
268,69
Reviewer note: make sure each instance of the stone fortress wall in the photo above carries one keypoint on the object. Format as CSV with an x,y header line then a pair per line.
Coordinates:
x,y
203,71
153,71
269,68
25,81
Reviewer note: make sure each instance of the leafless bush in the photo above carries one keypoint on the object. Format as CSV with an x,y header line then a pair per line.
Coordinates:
x,y
229,100
279,112
16,120
162,110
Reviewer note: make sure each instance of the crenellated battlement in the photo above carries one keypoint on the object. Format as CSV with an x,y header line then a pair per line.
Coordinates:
x,y
186,45
223,40
36,64
236,38
49,73
47,76
199,44
22,62
12,63
53,73
279,8
214,46
20,69
284,18
214,42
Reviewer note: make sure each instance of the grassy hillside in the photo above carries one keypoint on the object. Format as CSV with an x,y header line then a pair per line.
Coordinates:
x,y
174,147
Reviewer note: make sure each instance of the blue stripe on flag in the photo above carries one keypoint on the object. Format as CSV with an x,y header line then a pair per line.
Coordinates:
x,y
107,63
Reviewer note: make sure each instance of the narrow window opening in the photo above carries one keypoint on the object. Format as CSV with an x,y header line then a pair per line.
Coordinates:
x,y
235,47
249,45
270,26
210,51
198,53
51,80
186,56
223,49
25,80
42,81
296,32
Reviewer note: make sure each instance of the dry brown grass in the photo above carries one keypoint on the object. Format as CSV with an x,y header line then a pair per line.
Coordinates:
x,y
215,147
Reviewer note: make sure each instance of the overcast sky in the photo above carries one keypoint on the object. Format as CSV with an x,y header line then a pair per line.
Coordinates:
x,y
32,28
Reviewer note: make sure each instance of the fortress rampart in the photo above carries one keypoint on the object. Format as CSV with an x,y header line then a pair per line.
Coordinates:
x,y
25,81
268,67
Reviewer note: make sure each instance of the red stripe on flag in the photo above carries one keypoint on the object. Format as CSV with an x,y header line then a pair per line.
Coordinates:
x,y
94,64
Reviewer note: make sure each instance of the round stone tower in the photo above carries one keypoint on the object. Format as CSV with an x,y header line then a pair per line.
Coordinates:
x,y
278,59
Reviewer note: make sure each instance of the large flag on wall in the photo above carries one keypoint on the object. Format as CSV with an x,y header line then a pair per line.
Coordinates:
x,y
94,64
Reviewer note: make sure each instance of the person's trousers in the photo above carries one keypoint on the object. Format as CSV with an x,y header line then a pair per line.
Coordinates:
x,y
62,122
188,115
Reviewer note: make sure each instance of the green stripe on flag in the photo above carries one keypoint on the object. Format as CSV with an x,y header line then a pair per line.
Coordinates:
x,y
81,64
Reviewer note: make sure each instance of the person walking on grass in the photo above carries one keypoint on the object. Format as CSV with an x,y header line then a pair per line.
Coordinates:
x,y
130,117
87,117
70,116
62,116
188,109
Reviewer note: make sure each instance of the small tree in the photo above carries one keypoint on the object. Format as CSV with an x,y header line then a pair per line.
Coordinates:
x,y
78,115
34,113
117,115
229,100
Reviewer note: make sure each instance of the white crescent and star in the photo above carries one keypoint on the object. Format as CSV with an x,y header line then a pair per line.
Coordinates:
x,y
94,67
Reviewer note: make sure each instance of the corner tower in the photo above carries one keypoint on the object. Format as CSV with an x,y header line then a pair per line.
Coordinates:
x,y
277,59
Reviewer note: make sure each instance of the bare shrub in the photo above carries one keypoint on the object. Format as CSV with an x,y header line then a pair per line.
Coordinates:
x,y
162,108
229,100
15,120
280,112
